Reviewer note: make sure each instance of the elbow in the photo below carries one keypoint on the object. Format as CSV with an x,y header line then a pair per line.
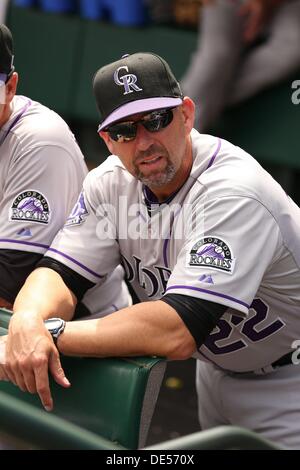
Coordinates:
x,y
181,349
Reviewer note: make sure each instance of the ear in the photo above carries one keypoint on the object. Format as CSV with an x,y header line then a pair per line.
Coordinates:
x,y
188,112
11,87
107,140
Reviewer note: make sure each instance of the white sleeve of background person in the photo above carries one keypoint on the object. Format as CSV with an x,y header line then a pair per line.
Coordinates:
x,y
41,172
107,298
87,244
41,175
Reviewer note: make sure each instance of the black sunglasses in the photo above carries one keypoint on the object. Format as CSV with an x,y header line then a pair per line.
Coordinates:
x,y
153,122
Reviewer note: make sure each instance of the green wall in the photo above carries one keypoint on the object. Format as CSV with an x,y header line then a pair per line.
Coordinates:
x,y
57,56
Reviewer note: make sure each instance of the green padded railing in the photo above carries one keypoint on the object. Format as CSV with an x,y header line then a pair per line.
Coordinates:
x,y
34,428
219,438
109,406
113,398
45,431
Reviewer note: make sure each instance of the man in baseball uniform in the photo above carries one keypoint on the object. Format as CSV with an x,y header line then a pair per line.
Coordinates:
x,y
41,174
210,244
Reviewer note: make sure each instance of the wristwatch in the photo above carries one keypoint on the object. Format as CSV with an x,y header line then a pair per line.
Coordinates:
x,y
55,326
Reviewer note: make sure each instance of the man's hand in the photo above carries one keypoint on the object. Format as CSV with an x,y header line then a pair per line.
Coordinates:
x,y
257,14
30,353
3,375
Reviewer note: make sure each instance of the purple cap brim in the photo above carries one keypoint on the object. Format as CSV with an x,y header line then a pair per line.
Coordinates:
x,y
3,78
139,106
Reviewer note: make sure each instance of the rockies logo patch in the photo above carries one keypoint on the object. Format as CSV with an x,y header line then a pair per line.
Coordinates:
x,y
79,212
212,252
30,206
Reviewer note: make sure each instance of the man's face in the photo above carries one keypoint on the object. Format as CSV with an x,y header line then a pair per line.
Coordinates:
x,y
156,157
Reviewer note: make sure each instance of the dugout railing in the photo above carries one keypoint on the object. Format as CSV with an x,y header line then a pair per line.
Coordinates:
x,y
113,398
109,406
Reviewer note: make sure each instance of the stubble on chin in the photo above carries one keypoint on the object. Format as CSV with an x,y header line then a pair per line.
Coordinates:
x,y
159,179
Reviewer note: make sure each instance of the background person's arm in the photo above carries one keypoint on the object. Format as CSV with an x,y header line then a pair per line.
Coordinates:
x,y
24,239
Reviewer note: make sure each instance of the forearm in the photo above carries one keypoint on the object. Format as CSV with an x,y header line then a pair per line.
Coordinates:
x,y
149,328
45,295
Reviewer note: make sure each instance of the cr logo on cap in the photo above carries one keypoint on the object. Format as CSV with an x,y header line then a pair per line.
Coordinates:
x,y
128,81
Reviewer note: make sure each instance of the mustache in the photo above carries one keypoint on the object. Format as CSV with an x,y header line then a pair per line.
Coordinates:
x,y
153,150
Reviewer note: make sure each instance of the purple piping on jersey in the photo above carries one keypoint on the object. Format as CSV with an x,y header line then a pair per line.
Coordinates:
x,y
217,294
76,262
148,195
142,216
165,247
39,245
152,199
215,154
17,118
115,307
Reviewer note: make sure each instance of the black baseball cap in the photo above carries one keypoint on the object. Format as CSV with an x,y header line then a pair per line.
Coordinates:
x,y
134,84
6,53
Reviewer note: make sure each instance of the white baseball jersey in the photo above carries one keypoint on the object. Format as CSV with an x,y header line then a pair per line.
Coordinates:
x,y
41,175
230,235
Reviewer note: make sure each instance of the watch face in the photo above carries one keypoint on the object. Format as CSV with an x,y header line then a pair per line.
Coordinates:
x,y
54,323
55,326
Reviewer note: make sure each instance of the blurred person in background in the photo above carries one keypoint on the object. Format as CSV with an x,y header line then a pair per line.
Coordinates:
x,y
3,9
41,175
244,46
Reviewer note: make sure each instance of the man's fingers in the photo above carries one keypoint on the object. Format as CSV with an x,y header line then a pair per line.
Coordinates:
x,y
57,370
10,374
3,374
42,378
42,385
29,380
16,379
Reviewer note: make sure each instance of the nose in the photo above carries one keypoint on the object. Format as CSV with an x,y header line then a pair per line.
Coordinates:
x,y
144,138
